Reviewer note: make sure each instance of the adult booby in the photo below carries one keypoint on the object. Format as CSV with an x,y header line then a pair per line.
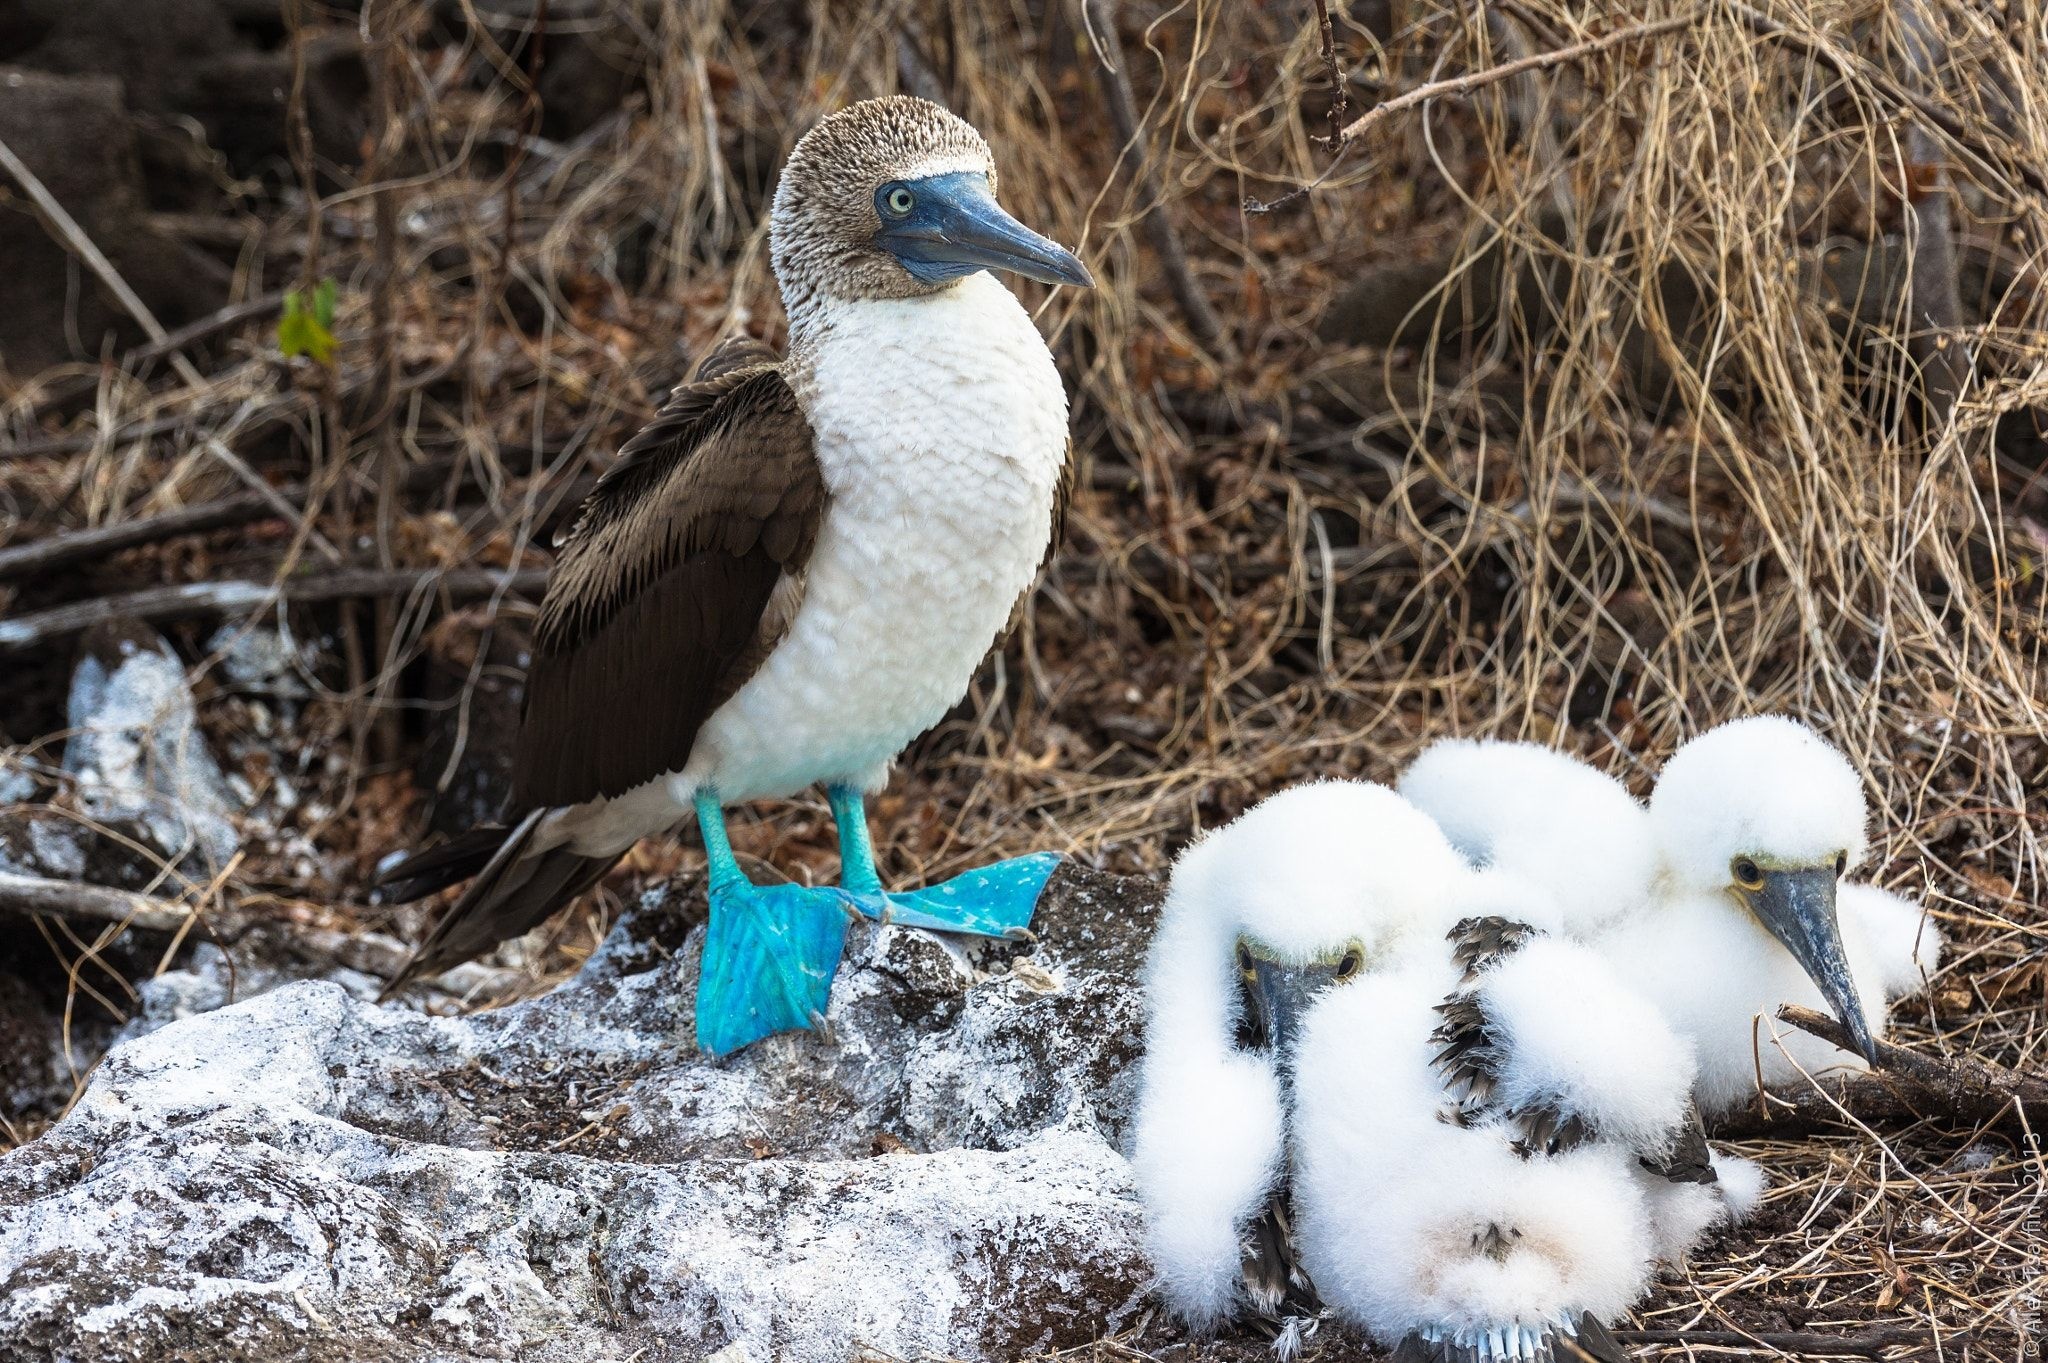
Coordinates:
x,y
792,572
1315,888
1494,1145
1723,899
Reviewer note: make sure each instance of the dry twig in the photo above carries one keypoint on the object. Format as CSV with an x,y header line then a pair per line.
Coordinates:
x,y
21,894
158,604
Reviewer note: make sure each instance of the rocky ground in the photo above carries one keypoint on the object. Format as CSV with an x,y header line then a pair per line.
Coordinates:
x,y
308,1175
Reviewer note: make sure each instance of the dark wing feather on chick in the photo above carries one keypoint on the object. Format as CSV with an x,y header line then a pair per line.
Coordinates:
x,y
1472,1054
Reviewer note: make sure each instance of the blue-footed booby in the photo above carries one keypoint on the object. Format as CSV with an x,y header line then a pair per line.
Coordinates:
x,y
792,572
1494,1145
1723,899
1315,888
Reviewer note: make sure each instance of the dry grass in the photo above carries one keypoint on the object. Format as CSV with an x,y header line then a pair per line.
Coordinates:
x,y
1649,484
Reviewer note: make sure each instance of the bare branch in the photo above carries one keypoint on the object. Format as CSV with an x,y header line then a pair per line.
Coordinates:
x,y
1535,61
94,903
220,598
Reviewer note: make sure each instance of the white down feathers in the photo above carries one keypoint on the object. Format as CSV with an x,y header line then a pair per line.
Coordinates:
x,y
1391,1203
1304,874
1544,817
1394,1206
1649,888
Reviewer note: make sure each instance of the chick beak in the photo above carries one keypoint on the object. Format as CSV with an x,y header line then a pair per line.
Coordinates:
x,y
957,227
1798,907
1279,997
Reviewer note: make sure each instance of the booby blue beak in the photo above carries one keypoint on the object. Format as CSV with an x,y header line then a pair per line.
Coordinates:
x,y
945,227
1274,997
1279,997
1798,907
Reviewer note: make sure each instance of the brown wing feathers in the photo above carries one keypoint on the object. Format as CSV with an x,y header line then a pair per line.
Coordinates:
x,y
663,586
1472,1056
1690,1159
686,555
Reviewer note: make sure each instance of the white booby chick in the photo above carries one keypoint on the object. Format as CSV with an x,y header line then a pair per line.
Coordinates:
x,y
1543,817
1313,888
794,571
1756,823
1484,1141
1663,892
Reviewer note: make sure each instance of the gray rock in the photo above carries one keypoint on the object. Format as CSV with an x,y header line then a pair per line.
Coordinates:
x,y
258,659
306,1175
136,750
16,785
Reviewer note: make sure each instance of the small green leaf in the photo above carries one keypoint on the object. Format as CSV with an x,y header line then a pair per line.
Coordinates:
x,y
300,332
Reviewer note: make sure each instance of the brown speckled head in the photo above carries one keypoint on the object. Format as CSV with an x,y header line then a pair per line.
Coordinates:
x,y
823,232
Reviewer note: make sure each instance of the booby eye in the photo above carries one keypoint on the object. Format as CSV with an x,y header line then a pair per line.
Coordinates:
x,y
1841,864
1352,962
1244,960
1746,873
899,201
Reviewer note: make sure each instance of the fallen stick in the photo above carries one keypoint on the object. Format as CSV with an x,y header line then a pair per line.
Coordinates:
x,y
1863,1343
79,546
157,604
78,442
1975,1090
1906,1089
371,953
68,547
97,903
226,319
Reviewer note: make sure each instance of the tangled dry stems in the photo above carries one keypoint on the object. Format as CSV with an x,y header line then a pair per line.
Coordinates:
x,y
1638,460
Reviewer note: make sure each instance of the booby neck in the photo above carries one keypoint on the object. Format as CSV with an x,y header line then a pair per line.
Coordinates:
x,y
956,376
958,315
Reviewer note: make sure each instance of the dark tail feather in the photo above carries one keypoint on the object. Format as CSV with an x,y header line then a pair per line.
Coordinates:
x,y
1597,1342
434,870
511,893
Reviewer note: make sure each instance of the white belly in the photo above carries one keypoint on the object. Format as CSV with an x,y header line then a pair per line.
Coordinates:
x,y
941,426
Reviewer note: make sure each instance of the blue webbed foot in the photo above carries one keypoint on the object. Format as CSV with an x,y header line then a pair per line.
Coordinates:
x,y
769,956
989,901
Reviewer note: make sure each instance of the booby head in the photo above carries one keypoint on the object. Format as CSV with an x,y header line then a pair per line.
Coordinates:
x,y
896,198
1765,812
1313,888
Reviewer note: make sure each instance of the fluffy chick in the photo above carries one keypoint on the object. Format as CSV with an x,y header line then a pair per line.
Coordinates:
x,y
1495,1146
1309,890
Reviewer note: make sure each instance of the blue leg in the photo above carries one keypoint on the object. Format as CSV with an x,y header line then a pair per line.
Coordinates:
x,y
857,873
770,951
989,901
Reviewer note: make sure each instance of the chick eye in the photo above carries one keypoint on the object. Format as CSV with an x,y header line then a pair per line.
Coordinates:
x,y
1353,962
1746,873
899,201
1244,960
1841,864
